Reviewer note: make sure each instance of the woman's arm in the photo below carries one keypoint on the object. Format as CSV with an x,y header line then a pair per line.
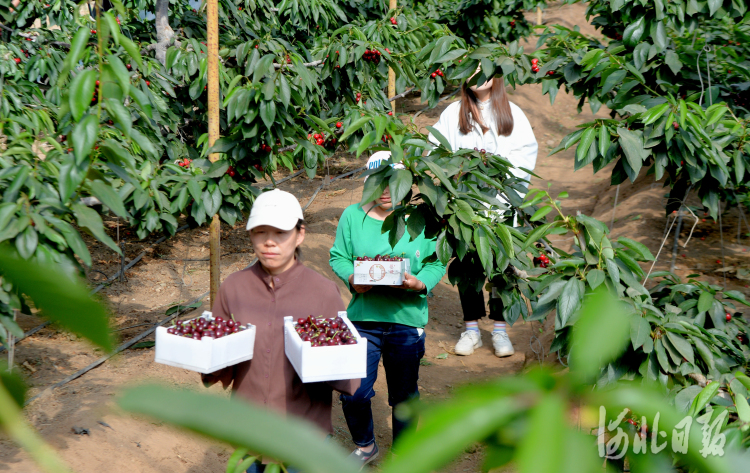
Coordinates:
x,y
341,256
431,273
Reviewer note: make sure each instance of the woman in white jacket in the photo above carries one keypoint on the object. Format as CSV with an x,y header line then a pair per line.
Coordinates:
x,y
485,119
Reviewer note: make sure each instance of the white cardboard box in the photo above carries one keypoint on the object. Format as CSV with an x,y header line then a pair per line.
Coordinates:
x,y
206,355
381,273
314,364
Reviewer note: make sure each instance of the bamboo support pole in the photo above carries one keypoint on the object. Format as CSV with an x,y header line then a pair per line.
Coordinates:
x,y
538,15
214,233
392,75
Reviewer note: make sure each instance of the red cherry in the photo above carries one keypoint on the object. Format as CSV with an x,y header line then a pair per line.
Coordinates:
x,y
93,31
390,113
18,60
320,141
675,125
433,75
729,317
148,83
338,124
535,61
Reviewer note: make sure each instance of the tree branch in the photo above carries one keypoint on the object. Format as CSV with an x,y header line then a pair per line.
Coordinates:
x,y
306,64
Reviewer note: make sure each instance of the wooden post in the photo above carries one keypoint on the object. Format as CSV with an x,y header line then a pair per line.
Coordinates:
x,y
214,233
538,15
12,344
392,75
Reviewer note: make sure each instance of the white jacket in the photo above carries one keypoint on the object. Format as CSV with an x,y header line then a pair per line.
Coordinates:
x,y
520,148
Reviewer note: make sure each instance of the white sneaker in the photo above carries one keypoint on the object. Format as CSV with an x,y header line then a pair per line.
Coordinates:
x,y
502,345
469,340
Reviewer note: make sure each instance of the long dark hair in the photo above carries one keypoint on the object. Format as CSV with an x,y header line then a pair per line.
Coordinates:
x,y
469,114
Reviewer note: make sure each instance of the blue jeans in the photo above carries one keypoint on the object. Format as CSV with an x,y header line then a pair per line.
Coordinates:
x,y
401,348
258,467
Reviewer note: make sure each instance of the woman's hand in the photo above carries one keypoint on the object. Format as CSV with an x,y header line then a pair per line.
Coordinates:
x,y
412,284
358,288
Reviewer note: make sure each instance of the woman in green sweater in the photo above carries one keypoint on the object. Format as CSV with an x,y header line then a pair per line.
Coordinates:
x,y
391,318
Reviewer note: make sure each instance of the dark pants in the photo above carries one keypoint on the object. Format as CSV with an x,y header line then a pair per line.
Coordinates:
x,y
468,275
401,348
472,305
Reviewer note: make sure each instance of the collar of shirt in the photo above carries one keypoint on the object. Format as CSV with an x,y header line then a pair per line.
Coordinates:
x,y
280,279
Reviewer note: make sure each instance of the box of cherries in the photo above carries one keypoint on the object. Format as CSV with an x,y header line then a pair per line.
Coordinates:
x,y
325,349
382,270
204,344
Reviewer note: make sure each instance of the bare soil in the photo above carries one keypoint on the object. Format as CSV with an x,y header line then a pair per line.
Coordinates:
x,y
176,271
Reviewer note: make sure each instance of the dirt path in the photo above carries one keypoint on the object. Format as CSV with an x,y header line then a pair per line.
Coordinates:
x,y
176,271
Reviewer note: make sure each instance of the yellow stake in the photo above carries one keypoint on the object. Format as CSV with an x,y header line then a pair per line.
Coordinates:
x,y
392,75
214,233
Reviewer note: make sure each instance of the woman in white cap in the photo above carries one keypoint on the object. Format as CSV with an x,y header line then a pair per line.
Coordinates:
x,y
391,318
484,119
278,285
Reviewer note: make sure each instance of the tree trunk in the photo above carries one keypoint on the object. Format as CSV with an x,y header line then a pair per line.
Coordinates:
x,y
164,32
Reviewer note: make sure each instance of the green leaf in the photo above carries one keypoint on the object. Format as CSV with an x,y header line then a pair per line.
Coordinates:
x,y
77,46
541,213
439,136
89,219
640,329
120,115
595,277
506,239
84,136
104,192
587,139
546,427
132,50
354,127
443,248
286,439
613,80
704,397
570,300
81,92
268,113
600,335
632,145
60,298
704,301
634,31
121,73
399,184
743,410
682,346
482,243
639,248
26,242
673,61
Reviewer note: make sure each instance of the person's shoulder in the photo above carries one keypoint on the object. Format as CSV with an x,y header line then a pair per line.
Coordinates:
x,y
452,109
349,211
321,284
239,278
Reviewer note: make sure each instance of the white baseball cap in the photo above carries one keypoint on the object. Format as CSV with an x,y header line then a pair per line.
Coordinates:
x,y
275,208
378,158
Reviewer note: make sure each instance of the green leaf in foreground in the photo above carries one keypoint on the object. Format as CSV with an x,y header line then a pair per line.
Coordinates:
x,y
600,334
290,440
59,298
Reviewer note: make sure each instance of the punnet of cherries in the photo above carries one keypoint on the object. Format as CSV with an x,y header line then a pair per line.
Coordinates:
x,y
380,258
200,327
324,332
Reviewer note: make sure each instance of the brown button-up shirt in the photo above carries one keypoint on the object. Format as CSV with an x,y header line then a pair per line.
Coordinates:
x,y
269,379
